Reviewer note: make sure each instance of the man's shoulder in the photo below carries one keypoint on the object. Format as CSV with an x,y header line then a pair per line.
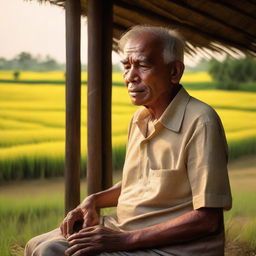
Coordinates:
x,y
201,111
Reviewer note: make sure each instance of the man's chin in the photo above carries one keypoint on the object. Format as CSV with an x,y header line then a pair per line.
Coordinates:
x,y
136,102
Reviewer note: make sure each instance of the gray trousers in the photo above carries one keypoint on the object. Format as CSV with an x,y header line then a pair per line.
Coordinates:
x,y
54,244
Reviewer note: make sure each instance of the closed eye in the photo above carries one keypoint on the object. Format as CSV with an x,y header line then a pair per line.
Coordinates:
x,y
127,66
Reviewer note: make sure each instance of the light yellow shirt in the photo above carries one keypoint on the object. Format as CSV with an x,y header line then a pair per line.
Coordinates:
x,y
174,166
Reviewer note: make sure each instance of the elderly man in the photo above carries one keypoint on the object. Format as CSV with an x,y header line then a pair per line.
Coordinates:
x,y
175,182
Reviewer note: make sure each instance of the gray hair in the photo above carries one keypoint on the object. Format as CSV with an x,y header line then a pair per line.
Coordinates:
x,y
172,41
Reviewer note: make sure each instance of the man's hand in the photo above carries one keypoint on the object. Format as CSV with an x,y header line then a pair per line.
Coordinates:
x,y
97,239
85,215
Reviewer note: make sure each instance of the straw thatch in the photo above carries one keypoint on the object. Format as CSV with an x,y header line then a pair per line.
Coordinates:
x,y
224,26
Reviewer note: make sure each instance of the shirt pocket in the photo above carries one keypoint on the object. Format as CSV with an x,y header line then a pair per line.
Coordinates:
x,y
168,185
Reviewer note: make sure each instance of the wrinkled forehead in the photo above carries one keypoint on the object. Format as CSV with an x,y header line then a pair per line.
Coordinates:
x,y
142,46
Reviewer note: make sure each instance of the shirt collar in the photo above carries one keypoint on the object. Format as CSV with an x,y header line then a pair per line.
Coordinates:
x,y
171,118
174,114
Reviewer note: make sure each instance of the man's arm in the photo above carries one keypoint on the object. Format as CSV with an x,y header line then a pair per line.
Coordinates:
x,y
191,225
86,213
103,199
187,227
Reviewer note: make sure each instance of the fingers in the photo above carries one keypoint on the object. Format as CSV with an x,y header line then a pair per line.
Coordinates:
x,y
75,248
83,242
63,227
68,223
80,242
91,218
82,249
85,232
93,240
77,219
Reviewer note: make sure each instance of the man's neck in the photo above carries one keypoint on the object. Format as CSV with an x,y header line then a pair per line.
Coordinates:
x,y
157,112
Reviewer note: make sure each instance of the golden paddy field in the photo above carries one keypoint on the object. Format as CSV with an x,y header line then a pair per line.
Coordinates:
x,y
32,122
32,128
117,77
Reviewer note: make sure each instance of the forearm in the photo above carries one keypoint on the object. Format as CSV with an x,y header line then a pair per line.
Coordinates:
x,y
187,227
106,198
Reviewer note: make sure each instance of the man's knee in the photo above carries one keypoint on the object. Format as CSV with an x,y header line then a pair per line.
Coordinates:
x,y
50,248
31,245
46,243
53,248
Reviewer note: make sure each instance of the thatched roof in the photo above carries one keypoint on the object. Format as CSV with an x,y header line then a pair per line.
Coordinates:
x,y
224,26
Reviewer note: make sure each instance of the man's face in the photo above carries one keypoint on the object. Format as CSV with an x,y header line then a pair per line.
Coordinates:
x,y
146,76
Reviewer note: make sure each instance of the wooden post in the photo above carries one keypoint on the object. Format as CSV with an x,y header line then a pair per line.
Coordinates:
x,y
107,93
73,105
99,153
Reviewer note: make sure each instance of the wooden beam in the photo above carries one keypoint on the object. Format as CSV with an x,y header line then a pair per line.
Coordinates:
x,y
196,35
99,149
73,105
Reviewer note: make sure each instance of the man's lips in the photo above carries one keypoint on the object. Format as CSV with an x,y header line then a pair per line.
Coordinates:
x,y
135,92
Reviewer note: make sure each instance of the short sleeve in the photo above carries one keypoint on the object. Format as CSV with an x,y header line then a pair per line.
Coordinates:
x,y
207,166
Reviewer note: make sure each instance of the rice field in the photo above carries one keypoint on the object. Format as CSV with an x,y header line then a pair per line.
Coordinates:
x,y
32,124
117,77
32,128
31,76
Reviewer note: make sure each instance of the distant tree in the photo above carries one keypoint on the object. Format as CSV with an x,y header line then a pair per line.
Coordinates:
x,y
230,73
25,60
49,63
2,62
16,75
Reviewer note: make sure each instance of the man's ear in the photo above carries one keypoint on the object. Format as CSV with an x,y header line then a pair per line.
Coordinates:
x,y
177,69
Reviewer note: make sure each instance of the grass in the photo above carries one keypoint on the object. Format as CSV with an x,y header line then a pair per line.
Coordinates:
x,y
24,216
241,220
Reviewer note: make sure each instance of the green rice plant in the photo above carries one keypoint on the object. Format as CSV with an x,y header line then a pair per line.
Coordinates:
x,y
118,157
32,161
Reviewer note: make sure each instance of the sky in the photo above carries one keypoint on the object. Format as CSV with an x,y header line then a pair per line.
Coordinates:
x,y
36,28
27,25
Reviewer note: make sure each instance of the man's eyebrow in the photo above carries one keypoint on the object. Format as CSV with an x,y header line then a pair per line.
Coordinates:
x,y
143,59
138,59
124,61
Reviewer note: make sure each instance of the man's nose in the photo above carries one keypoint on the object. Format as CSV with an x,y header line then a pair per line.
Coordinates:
x,y
131,75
